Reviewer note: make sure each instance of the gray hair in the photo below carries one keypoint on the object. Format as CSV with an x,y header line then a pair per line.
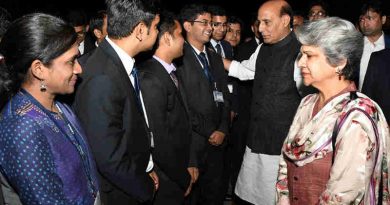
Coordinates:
x,y
338,39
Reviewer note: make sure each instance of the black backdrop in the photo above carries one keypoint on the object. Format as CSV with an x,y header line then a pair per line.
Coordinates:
x,y
348,9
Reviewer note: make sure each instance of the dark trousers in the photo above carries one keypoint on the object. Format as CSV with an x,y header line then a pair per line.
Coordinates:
x,y
210,190
168,192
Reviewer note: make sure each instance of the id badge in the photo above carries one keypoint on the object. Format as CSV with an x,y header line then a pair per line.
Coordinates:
x,y
218,96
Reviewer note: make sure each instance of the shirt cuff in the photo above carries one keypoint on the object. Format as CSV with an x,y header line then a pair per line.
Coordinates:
x,y
150,166
233,71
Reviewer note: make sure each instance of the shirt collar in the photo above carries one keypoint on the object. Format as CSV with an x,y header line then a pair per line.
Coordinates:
x,y
197,51
81,47
257,40
168,67
379,42
214,42
127,61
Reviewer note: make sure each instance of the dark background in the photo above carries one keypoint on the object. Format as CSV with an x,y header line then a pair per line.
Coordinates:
x,y
348,9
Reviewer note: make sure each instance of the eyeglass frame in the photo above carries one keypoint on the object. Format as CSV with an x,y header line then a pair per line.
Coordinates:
x,y
204,23
319,13
218,24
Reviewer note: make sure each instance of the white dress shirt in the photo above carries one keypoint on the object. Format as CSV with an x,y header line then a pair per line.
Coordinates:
x,y
128,63
81,48
245,70
369,48
214,44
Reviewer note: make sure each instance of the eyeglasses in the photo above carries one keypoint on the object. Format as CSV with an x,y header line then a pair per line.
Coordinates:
x,y
218,24
319,14
204,23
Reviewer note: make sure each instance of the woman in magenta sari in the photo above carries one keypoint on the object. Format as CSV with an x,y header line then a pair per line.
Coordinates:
x,y
336,151
43,152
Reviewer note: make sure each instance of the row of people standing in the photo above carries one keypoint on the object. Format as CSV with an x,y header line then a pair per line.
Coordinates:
x,y
141,152
135,117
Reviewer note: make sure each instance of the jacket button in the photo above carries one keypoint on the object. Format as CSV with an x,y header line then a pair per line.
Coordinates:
x,y
295,178
295,198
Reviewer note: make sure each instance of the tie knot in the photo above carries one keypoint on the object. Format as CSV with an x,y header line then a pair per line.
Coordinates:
x,y
202,54
134,71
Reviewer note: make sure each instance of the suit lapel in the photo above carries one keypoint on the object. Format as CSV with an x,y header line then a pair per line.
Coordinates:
x,y
180,91
194,61
119,70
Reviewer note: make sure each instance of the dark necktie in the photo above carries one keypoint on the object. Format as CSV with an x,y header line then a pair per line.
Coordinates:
x,y
134,73
219,49
174,78
206,69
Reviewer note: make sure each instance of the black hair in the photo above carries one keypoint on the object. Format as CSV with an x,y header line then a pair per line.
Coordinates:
x,y
321,3
217,10
5,21
124,15
374,5
166,24
97,20
287,10
235,20
76,17
191,11
32,37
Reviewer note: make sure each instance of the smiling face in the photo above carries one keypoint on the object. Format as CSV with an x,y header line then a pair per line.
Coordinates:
x,y
315,69
61,75
199,31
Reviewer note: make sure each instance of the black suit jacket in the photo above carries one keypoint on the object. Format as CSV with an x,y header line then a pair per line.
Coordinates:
x,y
245,50
377,81
116,129
356,72
168,120
227,49
207,116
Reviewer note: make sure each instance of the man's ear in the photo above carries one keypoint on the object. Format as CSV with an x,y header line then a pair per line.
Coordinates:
x,y
187,26
38,70
384,19
97,33
286,20
139,30
167,38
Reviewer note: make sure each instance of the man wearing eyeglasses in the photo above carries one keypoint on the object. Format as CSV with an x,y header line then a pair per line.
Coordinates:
x,y
318,10
219,24
204,82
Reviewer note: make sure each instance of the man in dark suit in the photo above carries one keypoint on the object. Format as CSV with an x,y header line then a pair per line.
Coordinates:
x,y
377,80
372,19
97,32
204,82
220,46
110,107
167,114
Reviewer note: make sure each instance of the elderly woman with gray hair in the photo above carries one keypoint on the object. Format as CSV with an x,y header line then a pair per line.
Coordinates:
x,y
336,151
